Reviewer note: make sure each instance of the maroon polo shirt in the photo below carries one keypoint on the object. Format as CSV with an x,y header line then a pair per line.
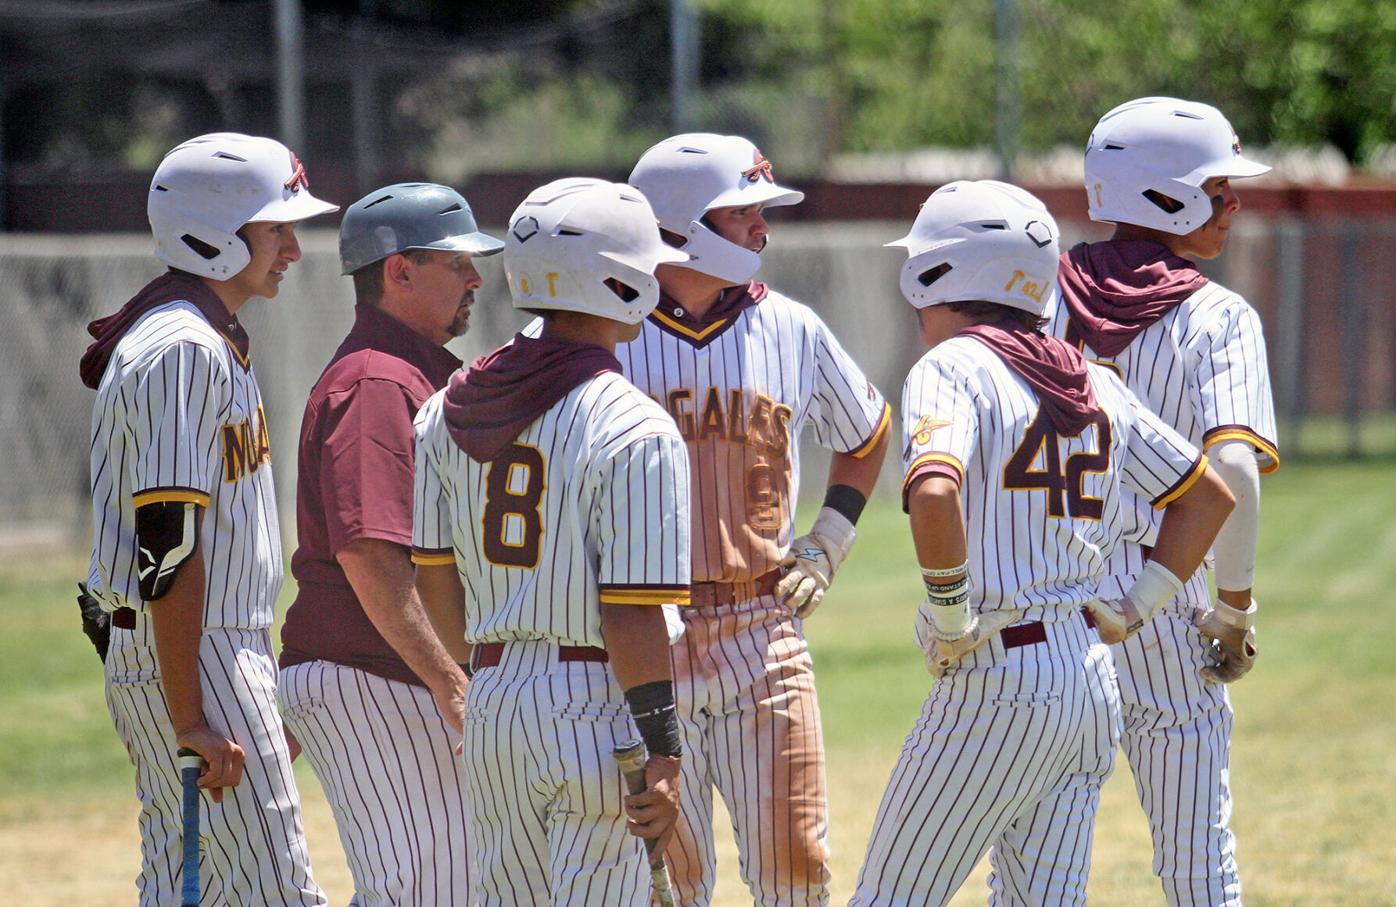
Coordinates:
x,y
355,482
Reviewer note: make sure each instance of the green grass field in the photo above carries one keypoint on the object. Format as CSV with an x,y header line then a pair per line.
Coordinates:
x,y
1312,763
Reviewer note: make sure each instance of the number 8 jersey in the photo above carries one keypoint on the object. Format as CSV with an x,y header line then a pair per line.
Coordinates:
x,y
1026,489
587,506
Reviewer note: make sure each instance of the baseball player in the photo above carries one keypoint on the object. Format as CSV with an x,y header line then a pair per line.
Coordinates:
x,y
551,524
186,550
1160,170
368,688
743,370
1015,452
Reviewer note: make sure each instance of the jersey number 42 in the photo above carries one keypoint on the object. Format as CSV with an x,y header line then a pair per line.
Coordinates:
x,y
1065,495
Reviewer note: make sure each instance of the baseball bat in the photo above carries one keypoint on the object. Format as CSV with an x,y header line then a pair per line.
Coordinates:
x,y
191,765
631,757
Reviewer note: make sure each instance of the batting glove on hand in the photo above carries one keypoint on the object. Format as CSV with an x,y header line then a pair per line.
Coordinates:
x,y
1231,632
810,565
96,623
1118,619
943,653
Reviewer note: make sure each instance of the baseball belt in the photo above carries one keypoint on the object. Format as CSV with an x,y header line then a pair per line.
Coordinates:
x,y
489,654
124,618
708,594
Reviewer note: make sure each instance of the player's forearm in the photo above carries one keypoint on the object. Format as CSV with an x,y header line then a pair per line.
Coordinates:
x,y
638,643
1235,546
177,618
382,577
1191,523
937,524
443,600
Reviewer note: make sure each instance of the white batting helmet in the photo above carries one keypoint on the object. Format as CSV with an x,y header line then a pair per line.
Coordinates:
x,y
981,240
569,236
686,176
1166,145
208,187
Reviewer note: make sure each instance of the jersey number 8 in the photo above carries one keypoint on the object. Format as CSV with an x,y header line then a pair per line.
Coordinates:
x,y
512,526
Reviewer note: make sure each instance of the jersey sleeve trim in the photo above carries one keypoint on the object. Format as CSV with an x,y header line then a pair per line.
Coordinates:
x,y
433,557
173,495
1268,449
862,450
644,595
1181,487
934,462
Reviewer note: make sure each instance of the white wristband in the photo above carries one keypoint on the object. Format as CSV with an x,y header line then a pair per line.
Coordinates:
x,y
1154,588
950,622
1235,617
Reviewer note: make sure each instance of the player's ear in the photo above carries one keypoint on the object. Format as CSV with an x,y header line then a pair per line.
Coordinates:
x,y
397,271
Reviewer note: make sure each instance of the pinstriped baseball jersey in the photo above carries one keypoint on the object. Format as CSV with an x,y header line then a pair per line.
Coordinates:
x,y
588,506
968,415
1202,368
741,390
179,417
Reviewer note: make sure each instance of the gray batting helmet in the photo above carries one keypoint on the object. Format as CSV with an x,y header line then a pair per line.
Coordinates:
x,y
409,216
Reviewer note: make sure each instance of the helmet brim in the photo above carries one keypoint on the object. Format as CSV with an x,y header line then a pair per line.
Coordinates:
x,y
479,244
1234,167
761,193
300,206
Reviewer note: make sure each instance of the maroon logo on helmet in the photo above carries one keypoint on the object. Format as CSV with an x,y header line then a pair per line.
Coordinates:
x,y
761,169
1236,145
298,178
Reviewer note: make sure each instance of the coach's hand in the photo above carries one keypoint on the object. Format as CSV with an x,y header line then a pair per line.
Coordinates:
x,y
812,560
942,653
1231,632
653,813
222,759
450,700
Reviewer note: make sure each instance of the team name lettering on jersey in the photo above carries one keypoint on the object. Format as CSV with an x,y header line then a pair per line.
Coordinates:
x,y
767,429
246,446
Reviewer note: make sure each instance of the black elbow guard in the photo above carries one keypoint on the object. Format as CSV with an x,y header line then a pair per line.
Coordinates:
x,y
167,533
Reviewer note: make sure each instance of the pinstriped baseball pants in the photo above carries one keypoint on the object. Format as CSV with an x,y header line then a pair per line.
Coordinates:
x,y
545,790
1010,752
386,760
254,850
1177,738
751,728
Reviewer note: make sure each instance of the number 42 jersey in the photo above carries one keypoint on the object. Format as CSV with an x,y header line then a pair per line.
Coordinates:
x,y
1041,511
587,506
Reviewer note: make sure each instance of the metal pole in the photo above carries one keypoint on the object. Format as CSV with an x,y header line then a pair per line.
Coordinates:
x,y
1289,365
683,42
1006,112
1355,357
290,73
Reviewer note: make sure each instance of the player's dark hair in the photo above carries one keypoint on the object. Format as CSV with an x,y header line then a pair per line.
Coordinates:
x,y
997,313
368,280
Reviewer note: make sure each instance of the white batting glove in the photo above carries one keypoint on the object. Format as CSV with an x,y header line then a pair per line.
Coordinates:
x,y
1231,632
1118,619
812,560
942,653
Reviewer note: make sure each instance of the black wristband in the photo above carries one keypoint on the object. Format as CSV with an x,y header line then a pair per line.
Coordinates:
x,y
652,705
847,500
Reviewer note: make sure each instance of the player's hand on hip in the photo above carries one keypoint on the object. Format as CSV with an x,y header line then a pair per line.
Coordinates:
x,y
812,560
1231,632
943,654
222,759
1116,619
654,812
